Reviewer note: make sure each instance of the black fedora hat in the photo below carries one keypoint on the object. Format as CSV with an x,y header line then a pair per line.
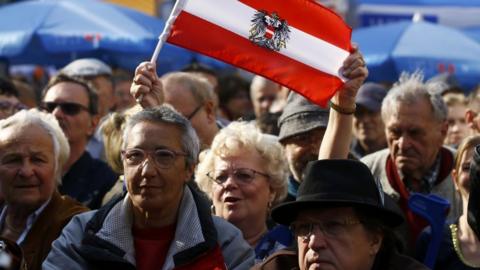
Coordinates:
x,y
337,183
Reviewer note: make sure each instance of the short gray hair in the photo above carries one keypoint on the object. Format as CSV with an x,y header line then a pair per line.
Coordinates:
x,y
34,117
201,90
236,137
167,114
410,89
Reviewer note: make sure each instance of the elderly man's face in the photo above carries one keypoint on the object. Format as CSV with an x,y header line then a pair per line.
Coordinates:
x,y
263,98
151,187
344,243
27,166
414,137
301,149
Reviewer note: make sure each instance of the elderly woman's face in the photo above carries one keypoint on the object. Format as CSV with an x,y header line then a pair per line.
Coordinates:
x,y
27,166
339,242
150,184
237,200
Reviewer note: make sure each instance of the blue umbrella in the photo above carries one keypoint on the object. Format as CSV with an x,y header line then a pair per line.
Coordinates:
x,y
473,32
390,49
55,32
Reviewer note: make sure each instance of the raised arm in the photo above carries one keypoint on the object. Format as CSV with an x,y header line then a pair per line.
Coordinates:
x,y
147,88
338,135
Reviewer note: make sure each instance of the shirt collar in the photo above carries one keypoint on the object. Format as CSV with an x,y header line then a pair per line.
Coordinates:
x,y
30,220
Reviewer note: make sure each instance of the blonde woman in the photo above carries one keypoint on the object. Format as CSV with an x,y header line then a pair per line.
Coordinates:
x,y
460,248
245,174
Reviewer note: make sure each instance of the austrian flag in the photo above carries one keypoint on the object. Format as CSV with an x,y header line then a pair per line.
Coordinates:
x,y
297,43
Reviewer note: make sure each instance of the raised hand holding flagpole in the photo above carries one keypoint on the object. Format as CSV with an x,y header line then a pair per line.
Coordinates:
x,y
147,88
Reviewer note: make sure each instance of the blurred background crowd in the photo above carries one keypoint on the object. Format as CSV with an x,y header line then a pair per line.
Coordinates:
x,y
415,124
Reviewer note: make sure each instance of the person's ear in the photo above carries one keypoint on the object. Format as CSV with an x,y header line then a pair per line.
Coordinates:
x,y
210,111
444,129
375,243
455,179
190,169
95,119
470,116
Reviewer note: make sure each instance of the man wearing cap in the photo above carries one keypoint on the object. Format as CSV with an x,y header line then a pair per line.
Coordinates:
x,y
100,75
340,222
302,127
368,126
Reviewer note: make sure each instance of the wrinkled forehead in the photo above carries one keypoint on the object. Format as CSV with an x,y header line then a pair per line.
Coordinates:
x,y
31,135
150,133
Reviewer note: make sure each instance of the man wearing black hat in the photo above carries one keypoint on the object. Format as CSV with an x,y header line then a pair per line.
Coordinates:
x,y
302,127
340,222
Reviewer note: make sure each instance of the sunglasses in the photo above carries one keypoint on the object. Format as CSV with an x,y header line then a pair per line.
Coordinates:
x,y
68,108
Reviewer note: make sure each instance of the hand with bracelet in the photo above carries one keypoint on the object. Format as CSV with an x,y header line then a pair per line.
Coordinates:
x,y
355,71
338,135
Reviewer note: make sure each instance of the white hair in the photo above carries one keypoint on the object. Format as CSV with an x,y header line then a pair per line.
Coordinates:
x,y
48,122
410,89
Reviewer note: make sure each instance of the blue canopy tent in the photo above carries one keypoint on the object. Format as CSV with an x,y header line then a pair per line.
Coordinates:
x,y
390,49
456,13
55,32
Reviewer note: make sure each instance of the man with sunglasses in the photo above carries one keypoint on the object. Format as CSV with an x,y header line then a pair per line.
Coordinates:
x,y
73,102
340,221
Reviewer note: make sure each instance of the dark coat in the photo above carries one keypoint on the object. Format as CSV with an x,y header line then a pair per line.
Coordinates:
x,y
48,227
88,180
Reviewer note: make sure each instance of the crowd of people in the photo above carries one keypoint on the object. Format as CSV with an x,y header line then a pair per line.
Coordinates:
x,y
191,170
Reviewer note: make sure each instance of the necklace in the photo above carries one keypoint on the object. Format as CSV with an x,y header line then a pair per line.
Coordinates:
x,y
458,249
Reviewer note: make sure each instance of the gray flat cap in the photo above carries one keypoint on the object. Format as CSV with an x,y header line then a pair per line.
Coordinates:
x,y
300,116
87,67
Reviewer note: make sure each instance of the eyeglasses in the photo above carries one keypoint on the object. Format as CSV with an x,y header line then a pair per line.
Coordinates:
x,y
331,228
162,158
68,108
7,106
192,114
242,175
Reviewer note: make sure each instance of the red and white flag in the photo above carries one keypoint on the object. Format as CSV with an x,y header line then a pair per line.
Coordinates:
x,y
297,43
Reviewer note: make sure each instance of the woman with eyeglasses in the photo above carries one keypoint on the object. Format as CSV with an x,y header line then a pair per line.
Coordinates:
x,y
460,247
244,173
161,223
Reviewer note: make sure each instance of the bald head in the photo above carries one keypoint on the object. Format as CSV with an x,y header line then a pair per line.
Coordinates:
x,y
263,93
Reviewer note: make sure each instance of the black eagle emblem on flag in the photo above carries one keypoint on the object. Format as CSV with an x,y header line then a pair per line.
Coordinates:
x,y
269,31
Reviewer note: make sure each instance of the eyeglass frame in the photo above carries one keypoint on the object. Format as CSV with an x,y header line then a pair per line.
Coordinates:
x,y
232,173
192,114
323,227
148,153
45,107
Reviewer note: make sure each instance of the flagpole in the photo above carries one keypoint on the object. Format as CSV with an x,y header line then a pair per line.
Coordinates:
x,y
177,8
